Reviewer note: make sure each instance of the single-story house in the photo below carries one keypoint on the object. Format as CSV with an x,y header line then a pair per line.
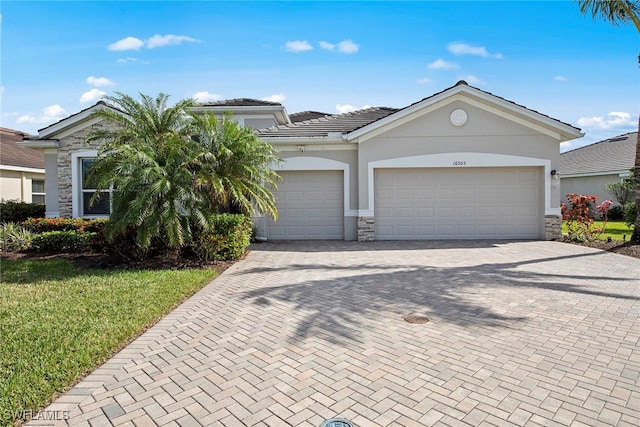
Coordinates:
x,y
460,164
586,170
21,169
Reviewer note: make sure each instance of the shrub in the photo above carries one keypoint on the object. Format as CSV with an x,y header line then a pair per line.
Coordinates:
x,y
616,213
622,192
226,240
14,237
630,213
62,241
40,225
579,214
12,211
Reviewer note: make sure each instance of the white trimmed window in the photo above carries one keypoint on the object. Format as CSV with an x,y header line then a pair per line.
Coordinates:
x,y
83,191
102,205
37,191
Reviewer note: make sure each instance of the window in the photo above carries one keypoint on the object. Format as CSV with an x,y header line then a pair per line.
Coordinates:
x,y
37,191
102,205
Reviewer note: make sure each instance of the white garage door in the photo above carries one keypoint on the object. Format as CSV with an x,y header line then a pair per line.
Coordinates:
x,y
437,203
310,206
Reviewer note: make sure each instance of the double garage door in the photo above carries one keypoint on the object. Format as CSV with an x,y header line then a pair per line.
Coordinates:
x,y
417,204
465,203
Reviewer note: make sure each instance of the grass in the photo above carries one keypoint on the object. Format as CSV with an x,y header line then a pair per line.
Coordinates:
x,y
58,322
614,229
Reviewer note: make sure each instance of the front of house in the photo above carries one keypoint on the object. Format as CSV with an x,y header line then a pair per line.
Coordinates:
x,y
460,164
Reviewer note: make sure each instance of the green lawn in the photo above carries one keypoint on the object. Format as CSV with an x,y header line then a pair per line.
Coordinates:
x,y
58,323
614,229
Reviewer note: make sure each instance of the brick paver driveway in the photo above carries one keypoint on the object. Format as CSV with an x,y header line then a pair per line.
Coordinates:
x,y
520,333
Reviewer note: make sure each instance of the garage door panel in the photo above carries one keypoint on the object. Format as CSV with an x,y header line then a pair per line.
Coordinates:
x,y
310,206
440,203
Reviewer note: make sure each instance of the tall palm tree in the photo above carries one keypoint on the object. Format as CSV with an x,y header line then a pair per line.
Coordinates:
x,y
620,12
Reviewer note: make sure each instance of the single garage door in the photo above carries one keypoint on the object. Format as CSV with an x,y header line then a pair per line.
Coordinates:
x,y
469,203
310,206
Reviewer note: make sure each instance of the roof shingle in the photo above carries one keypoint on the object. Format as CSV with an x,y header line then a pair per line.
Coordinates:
x,y
12,155
318,127
613,154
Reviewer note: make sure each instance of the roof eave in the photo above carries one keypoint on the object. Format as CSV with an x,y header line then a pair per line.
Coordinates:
x,y
562,131
39,143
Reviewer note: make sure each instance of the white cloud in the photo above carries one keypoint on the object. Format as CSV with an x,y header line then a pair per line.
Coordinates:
x,y
134,43
99,81
51,113
279,97
345,46
298,46
348,47
560,78
205,96
327,45
613,120
441,64
425,80
465,49
167,40
474,80
347,108
127,43
92,95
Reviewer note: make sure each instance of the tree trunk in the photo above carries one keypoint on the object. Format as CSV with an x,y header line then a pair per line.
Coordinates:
x,y
636,175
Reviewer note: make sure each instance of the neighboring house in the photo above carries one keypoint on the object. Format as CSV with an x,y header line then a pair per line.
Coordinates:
x,y
21,169
460,164
586,170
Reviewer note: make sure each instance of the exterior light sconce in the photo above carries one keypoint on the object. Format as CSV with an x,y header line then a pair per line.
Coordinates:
x,y
301,148
555,178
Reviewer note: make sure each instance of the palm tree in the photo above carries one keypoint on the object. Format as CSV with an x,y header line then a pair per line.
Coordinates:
x,y
170,171
233,166
620,12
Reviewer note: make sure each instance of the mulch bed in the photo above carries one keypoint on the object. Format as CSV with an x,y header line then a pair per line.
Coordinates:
x,y
631,249
169,261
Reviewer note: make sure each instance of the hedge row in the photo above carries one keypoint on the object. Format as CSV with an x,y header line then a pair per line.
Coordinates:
x,y
11,211
227,240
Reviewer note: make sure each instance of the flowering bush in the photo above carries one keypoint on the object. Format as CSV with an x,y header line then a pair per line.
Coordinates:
x,y
579,214
41,225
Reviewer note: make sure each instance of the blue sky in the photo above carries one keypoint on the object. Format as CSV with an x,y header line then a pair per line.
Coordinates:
x,y
60,57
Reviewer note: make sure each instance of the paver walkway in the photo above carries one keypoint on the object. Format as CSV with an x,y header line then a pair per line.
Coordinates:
x,y
524,333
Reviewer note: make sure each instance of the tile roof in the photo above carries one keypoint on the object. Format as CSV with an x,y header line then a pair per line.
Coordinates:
x,y
306,115
613,154
241,102
462,82
12,155
322,126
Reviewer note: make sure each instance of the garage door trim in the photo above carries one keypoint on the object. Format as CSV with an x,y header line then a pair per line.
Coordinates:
x,y
310,164
460,160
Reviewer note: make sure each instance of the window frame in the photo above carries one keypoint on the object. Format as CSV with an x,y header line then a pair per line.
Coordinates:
x,y
42,193
78,190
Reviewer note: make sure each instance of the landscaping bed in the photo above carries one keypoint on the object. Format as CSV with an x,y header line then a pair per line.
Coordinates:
x,y
631,249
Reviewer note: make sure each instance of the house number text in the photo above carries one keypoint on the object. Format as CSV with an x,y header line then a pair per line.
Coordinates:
x,y
459,163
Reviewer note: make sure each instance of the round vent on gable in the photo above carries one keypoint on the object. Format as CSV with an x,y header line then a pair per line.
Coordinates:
x,y
458,117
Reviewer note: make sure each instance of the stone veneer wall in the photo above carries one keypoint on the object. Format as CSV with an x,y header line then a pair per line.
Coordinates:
x,y
67,146
366,229
552,227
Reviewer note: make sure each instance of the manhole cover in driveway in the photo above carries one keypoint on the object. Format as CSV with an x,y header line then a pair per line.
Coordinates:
x,y
337,422
412,318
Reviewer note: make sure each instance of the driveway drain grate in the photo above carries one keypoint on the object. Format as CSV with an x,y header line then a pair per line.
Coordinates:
x,y
337,422
415,319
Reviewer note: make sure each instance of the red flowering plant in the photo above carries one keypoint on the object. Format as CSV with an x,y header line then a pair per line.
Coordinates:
x,y
579,216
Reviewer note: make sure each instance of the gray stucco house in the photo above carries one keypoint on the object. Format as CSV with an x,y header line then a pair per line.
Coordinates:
x,y
586,170
460,164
